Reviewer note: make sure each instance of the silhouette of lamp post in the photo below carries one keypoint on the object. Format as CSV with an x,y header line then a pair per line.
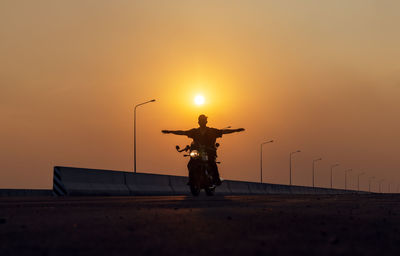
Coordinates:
x,y
290,165
358,180
261,158
345,177
369,184
380,183
313,170
134,132
333,166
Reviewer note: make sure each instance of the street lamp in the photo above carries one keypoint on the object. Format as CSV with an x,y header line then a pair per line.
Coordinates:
x,y
380,182
290,165
261,158
332,166
358,180
369,184
313,170
134,133
345,177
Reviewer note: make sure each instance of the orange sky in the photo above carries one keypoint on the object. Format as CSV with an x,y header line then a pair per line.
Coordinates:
x,y
318,76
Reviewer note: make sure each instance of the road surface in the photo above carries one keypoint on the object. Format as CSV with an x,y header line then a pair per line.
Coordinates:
x,y
180,225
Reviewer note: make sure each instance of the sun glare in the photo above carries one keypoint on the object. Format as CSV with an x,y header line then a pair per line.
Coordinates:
x,y
199,100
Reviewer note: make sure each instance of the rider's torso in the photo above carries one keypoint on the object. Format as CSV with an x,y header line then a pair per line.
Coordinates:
x,y
205,137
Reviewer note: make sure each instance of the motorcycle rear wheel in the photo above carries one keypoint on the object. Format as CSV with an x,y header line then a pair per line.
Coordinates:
x,y
210,191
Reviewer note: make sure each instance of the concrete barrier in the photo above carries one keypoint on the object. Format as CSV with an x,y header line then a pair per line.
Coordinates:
x,y
25,192
295,190
69,181
223,189
268,188
283,189
148,184
179,185
256,188
309,190
238,187
322,191
301,190
338,191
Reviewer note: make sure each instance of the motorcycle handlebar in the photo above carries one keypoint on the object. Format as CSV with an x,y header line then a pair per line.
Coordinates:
x,y
181,150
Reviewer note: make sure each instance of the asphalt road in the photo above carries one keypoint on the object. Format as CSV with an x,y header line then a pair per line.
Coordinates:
x,y
178,225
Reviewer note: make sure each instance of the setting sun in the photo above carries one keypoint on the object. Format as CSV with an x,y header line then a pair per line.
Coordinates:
x,y
199,100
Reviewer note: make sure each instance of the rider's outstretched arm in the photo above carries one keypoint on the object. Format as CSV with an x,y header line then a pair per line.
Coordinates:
x,y
227,131
177,132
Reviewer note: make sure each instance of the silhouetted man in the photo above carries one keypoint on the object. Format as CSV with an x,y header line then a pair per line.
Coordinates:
x,y
206,137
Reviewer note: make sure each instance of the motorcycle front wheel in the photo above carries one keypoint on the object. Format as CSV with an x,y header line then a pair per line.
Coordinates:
x,y
194,190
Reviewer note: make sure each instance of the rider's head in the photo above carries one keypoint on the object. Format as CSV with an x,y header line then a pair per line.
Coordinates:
x,y
202,120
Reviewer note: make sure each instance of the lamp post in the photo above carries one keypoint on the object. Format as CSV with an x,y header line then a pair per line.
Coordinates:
x,y
134,132
313,170
333,166
369,184
358,180
345,177
380,182
261,158
290,165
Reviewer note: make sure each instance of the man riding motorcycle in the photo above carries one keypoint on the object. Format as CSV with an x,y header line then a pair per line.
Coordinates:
x,y
206,137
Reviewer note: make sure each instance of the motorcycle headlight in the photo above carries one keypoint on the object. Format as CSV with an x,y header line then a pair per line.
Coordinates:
x,y
194,153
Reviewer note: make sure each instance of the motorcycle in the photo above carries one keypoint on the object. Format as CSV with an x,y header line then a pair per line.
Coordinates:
x,y
199,169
